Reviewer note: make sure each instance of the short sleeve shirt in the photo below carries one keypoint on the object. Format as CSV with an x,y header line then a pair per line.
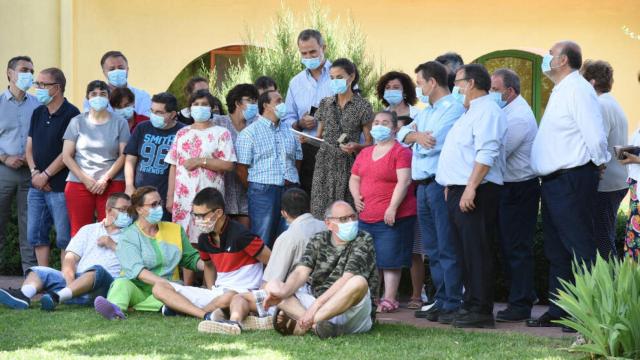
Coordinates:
x,y
85,245
329,262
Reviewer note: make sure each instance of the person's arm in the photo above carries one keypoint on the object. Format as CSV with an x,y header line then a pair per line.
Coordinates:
x,y
210,274
320,130
171,186
243,174
190,256
467,201
69,266
264,255
130,163
244,152
216,164
307,320
68,157
278,291
431,143
588,117
39,180
399,193
514,137
28,153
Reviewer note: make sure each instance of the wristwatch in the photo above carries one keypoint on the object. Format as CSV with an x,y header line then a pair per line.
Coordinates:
x,y
204,161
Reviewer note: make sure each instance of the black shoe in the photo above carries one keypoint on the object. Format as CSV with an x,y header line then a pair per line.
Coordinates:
x,y
469,319
511,314
167,311
566,329
447,317
430,312
14,298
326,330
545,320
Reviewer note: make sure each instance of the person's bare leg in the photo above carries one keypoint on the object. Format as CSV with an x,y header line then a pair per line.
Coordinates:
x,y
391,283
33,280
239,308
169,296
417,276
82,284
42,255
294,309
221,302
349,295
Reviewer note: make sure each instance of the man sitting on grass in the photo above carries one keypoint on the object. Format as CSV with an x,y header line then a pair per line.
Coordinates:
x,y
340,268
233,259
287,252
88,268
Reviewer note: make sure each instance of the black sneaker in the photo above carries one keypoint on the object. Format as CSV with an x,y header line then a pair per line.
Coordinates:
x,y
447,316
325,330
14,298
469,319
49,301
511,314
167,312
545,320
429,312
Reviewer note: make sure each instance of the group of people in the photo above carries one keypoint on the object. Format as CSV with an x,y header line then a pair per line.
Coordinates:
x,y
235,219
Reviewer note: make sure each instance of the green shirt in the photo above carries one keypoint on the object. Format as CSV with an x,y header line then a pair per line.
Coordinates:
x,y
328,262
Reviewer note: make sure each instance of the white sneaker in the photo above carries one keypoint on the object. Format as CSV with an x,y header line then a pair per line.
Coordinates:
x,y
220,327
258,323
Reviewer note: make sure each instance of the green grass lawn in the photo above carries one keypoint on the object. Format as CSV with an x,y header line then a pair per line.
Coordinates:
x,y
73,332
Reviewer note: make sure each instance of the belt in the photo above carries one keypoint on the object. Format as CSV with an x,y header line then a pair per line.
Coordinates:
x,y
426,181
555,174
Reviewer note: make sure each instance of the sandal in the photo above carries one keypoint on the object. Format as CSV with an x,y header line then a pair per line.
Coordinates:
x,y
415,304
285,325
387,306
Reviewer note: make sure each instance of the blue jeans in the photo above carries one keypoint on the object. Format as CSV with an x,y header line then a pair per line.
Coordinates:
x,y
446,271
53,281
264,211
46,209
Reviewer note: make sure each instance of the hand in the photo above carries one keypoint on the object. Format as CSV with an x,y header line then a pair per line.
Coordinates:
x,y
425,139
275,293
307,122
467,200
302,139
100,186
14,162
349,148
89,183
39,180
192,164
46,188
306,321
359,202
390,216
106,242
629,159
130,189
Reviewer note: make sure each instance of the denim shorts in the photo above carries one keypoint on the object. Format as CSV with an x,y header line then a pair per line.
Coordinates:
x,y
44,210
393,244
52,281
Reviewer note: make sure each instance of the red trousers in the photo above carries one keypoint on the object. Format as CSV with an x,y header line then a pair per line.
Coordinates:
x,y
83,206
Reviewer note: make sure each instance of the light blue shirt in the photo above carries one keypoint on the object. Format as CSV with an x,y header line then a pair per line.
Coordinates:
x,y
477,137
304,92
142,104
270,152
437,118
15,119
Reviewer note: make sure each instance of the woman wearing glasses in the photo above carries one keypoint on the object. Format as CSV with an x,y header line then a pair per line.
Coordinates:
x,y
381,187
149,251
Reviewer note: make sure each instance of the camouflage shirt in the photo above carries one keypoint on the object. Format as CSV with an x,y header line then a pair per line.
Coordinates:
x,y
328,261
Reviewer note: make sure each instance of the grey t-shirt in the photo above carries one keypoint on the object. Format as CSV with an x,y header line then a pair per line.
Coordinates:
x,y
97,145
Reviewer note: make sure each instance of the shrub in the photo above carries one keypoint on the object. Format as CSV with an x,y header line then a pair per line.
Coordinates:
x,y
604,306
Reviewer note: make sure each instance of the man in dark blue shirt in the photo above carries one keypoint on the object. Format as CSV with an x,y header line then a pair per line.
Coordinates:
x,y
46,202
149,145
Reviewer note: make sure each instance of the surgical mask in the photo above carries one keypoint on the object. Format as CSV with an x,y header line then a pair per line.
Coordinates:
x,y
98,103
281,110
155,215
125,112
205,226
338,86
43,96
250,112
545,66
393,97
348,231
156,120
122,220
311,64
456,94
423,98
497,97
200,113
380,133
117,77
25,79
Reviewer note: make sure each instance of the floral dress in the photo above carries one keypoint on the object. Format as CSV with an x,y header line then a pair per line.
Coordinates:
x,y
632,237
214,142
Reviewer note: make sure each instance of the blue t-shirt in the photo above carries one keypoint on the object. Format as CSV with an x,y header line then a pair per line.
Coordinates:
x,y
46,132
151,146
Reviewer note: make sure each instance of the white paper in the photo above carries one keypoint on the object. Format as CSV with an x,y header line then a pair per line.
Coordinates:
x,y
309,138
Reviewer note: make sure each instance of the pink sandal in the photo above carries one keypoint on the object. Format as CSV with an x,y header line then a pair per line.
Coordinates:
x,y
388,306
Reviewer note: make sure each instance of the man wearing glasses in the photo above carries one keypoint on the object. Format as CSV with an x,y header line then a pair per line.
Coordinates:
x,y
16,108
47,205
339,266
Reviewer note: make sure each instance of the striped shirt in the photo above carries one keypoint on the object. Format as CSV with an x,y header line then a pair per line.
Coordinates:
x,y
304,92
270,151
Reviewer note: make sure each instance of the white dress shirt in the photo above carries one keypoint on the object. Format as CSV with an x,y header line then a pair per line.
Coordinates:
x,y
521,131
477,137
616,128
571,131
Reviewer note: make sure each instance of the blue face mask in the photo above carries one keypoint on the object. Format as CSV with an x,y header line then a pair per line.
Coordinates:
x,y
122,220
25,79
43,96
98,103
155,215
545,66
380,133
423,98
348,231
497,97
338,86
456,94
250,112
393,97
157,121
125,112
200,113
311,64
281,110
117,77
